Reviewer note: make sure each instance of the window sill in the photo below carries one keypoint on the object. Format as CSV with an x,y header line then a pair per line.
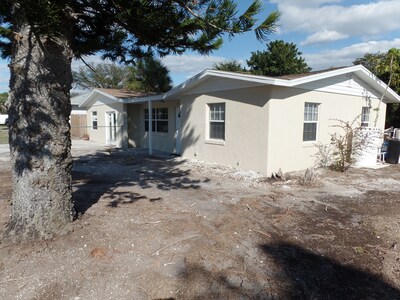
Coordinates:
x,y
309,144
157,133
215,142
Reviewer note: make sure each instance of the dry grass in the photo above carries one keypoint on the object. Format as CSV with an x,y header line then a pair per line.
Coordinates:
x,y
3,134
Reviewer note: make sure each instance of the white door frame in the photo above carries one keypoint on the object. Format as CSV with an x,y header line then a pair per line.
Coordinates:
x,y
111,127
178,130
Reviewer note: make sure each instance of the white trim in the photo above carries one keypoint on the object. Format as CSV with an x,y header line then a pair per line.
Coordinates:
x,y
254,80
358,70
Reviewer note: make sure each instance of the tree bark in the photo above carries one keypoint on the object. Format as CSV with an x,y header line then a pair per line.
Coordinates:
x,y
39,135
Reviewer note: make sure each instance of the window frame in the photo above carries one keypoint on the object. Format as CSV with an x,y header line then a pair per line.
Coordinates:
x,y
94,119
216,117
365,117
310,116
159,115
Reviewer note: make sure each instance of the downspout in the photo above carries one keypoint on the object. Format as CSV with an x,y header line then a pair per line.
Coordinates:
x,y
150,135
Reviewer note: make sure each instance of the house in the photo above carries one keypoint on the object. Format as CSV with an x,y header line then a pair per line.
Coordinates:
x,y
246,121
106,115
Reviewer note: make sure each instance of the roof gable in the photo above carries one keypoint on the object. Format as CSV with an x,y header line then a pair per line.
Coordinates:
x,y
366,81
108,96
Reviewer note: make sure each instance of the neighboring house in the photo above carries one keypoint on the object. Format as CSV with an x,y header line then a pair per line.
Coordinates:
x,y
250,122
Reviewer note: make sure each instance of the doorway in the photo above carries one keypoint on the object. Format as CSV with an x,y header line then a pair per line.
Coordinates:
x,y
111,127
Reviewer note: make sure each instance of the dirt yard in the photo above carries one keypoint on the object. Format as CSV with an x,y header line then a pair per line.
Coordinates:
x,y
156,228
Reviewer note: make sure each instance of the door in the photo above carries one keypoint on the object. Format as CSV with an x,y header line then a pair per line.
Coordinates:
x,y
111,127
178,134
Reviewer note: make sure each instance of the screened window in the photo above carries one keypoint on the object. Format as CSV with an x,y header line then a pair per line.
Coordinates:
x,y
217,121
310,122
365,116
94,119
160,119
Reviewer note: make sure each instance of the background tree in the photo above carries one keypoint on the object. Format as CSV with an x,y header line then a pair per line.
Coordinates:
x,y
102,75
386,66
3,100
146,74
229,66
279,59
41,37
149,75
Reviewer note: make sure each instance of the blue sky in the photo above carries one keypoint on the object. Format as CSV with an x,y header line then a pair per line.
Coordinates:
x,y
330,33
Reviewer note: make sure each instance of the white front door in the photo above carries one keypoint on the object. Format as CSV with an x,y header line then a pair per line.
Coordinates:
x,y
178,134
111,127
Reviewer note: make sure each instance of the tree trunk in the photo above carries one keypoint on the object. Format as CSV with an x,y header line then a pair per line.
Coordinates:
x,y
39,135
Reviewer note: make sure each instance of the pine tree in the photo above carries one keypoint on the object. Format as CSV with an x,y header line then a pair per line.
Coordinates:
x,y
41,37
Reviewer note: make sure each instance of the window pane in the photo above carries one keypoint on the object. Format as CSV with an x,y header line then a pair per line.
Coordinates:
x,y
217,112
310,132
160,119
162,126
365,116
311,112
217,130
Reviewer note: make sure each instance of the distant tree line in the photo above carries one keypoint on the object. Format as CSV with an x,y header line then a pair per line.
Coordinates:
x,y
3,100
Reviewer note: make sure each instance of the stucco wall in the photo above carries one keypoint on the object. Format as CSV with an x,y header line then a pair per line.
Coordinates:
x,y
286,147
246,128
99,134
138,137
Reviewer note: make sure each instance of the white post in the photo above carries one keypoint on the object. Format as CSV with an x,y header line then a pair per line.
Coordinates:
x,y
125,138
150,133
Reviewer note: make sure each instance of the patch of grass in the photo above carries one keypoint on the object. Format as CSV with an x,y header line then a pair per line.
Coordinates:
x,y
3,134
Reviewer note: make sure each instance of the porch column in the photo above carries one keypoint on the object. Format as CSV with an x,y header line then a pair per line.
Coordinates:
x,y
125,142
150,133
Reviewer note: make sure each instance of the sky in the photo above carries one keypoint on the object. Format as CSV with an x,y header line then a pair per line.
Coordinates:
x,y
329,33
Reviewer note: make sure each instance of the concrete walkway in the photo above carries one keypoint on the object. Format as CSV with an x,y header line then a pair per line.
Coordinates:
x,y
4,152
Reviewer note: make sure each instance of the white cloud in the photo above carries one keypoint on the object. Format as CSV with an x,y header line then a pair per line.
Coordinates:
x,y
95,59
374,18
189,64
346,55
324,37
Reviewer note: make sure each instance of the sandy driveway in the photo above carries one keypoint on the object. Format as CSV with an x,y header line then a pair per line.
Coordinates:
x,y
167,228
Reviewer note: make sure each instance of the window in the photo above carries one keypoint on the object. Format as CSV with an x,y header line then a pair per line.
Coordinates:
x,y
217,121
160,120
365,116
310,122
94,119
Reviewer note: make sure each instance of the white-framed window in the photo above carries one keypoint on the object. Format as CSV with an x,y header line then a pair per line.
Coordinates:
x,y
160,120
365,111
94,119
217,121
310,122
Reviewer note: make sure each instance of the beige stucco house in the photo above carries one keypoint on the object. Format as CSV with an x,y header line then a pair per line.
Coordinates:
x,y
250,122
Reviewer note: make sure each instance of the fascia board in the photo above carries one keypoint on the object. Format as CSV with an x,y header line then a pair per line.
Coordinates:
x,y
88,99
142,99
197,79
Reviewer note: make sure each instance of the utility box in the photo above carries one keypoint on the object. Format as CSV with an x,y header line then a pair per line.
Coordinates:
x,y
393,152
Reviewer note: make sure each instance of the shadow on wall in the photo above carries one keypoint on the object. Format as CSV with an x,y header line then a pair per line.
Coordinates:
x,y
301,274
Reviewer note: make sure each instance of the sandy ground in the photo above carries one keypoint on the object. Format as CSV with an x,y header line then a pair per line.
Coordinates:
x,y
152,228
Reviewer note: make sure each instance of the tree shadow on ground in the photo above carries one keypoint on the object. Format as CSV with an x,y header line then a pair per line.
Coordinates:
x,y
295,273
102,173
312,276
